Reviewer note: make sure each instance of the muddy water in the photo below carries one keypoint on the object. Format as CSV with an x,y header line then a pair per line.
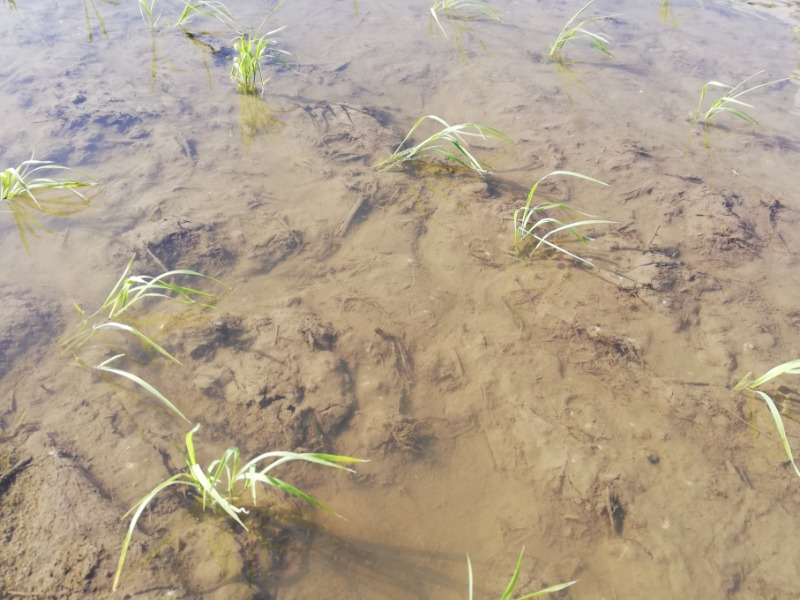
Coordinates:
x,y
583,413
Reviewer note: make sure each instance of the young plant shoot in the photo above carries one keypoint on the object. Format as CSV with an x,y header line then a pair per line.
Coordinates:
x,y
513,583
148,16
572,31
454,148
456,10
225,484
113,316
729,102
746,385
251,51
533,226
207,8
26,192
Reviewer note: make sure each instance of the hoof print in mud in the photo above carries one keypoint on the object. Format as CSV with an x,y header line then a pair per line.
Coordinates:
x,y
170,244
612,345
279,243
331,418
405,435
26,320
225,333
346,132
318,336
613,510
212,381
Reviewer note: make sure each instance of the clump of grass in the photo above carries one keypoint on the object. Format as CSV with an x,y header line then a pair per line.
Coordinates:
x,y
26,192
455,147
128,291
113,315
513,583
225,482
533,228
463,10
573,31
749,386
729,102
251,50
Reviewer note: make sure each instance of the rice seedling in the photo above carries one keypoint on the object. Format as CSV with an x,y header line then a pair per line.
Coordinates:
x,y
146,10
572,31
26,192
455,148
513,583
207,8
225,483
463,10
20,181
729,102
533,226
251,50
749,386
129,291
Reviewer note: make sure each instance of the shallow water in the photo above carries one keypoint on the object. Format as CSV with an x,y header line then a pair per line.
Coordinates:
x,y
583,413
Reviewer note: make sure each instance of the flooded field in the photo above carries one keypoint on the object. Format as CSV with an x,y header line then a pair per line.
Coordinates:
x,y
575,400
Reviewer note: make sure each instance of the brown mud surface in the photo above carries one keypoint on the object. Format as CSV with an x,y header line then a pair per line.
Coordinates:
x,y
584,413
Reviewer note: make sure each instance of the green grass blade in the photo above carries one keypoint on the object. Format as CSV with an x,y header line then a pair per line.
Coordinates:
x,y
139,507
436,18
553,588
290,489
217,467
741,114
118,286
558,248
554,173
572,229
454,134
730,97
513,583
327,460
570,32
208,488
191,458
141,382
469,576
788,368
142,337
776,417
733,100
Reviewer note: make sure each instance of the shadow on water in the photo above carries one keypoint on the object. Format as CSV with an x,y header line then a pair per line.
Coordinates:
x,y
364,567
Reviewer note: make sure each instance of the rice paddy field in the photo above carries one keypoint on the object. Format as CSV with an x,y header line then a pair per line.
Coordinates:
x,y
573,397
